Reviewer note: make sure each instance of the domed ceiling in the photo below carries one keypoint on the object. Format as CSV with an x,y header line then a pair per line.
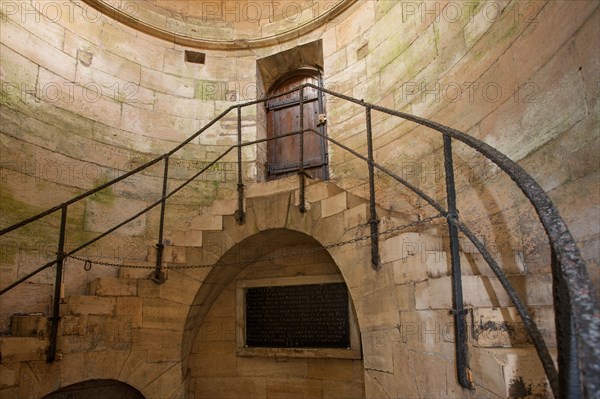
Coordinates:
x,y
223,24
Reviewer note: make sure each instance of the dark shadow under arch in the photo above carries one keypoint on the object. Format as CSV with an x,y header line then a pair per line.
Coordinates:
x,y
96,389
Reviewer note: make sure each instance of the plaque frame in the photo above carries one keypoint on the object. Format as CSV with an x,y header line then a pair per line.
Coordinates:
x,y
354,352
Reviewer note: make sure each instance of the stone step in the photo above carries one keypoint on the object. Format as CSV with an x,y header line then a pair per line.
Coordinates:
x,y
22,349
90,305
510,372
110,287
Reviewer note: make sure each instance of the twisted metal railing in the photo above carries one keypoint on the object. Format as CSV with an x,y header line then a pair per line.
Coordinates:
x,y
577,314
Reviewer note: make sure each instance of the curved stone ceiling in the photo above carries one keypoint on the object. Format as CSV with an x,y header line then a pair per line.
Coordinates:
x,y
223,24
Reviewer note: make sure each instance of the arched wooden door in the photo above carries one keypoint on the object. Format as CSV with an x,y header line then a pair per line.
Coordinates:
x,y
283,116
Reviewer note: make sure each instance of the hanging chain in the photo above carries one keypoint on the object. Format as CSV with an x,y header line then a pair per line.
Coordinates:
x,y
88,262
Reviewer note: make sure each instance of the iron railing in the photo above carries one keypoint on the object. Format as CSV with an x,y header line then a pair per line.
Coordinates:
x,y
577,314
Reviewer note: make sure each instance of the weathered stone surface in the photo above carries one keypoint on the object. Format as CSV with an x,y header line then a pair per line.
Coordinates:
x,y
131,307
407,244
271,212
270,187
230,387
20,349
333,205
356,216
378,351
160,313
28,326
89,305
113,287
207,222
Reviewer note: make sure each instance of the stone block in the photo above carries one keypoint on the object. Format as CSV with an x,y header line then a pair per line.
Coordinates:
x,y
9,376
430,373
434,294
151,339
346,390
131,307
356,216
163,314
188,238
28,326
321,190
214,359
207,222
38,51
271,212
103,212
272,368
137,273
179,287
231,388
156,125
378,309
510,372
377,350
171,254
503,327
166,83
184,107
168,384
91,305
264,189
405,296
430,331
331,369
509,262
21,349
224,207
113,287
137,371
333,205
407,244
284,388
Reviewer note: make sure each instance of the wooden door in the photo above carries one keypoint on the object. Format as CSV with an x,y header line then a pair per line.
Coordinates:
x,y
283,116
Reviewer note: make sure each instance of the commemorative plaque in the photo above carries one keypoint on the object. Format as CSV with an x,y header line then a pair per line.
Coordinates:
x,y
298,316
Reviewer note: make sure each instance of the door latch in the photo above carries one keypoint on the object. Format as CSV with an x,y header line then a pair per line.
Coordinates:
x,y
322,120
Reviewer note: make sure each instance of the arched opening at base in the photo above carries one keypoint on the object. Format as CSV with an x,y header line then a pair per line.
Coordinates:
x,y
96,389
222,363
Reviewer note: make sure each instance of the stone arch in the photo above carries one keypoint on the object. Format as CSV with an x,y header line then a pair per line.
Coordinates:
x,y
211,362
96,388
275,218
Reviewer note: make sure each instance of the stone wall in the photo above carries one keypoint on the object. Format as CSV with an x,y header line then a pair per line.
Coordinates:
x,y
85,99
518,75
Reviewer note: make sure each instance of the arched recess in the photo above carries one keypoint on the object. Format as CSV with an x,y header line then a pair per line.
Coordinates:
x,y
96,389
260,250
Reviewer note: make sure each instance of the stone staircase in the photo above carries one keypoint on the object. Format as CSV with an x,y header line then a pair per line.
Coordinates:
x,y
133,327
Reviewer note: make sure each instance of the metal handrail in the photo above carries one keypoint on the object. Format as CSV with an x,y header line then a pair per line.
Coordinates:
x,y
576,306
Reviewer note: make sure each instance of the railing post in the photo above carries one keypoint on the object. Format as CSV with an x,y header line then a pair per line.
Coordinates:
x,y
301,173
465,378
239,213
373,221
158,276
60,258
569,383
